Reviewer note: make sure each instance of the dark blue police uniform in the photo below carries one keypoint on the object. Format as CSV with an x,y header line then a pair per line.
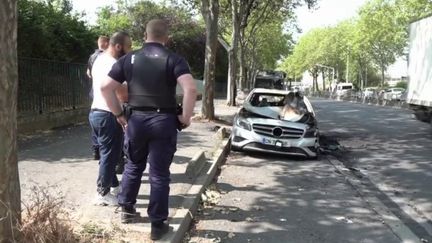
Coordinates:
x,y
151,74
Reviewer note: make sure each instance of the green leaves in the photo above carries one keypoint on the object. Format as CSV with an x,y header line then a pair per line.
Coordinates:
x,y
49,30
187,35
373,39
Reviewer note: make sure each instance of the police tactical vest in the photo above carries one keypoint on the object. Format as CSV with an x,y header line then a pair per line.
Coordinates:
x,y
150,85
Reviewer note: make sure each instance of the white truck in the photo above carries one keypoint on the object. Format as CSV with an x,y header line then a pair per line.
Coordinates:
x,y
419,95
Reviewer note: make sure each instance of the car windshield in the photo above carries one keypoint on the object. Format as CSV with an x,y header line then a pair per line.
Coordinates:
x,y
264,100
346,87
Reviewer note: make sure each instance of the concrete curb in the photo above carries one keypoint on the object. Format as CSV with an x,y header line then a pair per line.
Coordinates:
x,y
391,220
196,164
180,222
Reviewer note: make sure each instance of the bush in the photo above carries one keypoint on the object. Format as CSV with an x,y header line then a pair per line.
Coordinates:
x,y
402,84
45,220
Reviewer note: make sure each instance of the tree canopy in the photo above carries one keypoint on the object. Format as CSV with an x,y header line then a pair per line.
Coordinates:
x,y
369,42
187,36
49,30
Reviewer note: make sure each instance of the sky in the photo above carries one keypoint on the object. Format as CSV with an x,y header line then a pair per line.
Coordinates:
x,y
90,7
329,12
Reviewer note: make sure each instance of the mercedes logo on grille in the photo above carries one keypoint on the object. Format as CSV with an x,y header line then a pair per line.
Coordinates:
x,y
277,131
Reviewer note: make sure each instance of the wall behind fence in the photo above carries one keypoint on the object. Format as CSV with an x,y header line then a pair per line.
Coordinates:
x,y
51,94
48,86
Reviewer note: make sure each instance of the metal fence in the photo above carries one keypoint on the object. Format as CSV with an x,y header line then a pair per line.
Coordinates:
x,y
48,86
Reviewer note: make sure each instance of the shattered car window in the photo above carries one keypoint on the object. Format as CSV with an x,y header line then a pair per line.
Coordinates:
x,y
294,106
264,100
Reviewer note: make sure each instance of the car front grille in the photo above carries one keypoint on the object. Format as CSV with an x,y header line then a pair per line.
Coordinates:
x,y
278,131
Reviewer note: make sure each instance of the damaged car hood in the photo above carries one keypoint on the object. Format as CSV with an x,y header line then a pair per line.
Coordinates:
x,y
268,112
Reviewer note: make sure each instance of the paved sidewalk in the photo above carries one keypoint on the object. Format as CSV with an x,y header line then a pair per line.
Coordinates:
x,y
61,159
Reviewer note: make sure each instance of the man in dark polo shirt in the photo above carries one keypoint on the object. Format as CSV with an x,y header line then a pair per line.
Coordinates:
x,y
152,74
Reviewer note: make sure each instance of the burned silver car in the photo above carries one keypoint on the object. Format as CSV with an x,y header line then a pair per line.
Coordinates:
x,y
276,121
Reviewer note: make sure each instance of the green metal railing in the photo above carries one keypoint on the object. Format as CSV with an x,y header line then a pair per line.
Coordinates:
x,y
48,86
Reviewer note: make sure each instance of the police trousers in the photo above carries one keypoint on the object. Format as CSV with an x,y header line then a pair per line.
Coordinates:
x,y
151,138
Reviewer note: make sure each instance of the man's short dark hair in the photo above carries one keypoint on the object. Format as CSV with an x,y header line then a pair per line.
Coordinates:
x,y
157,28
103,38
118,38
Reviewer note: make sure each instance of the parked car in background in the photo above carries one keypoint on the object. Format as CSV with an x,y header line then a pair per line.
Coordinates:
x,y
356,94
369,93
276,121
343,90
393,94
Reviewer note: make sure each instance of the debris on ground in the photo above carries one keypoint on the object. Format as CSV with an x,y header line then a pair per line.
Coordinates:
x,y
211,196
237,199
258,208
344,219
249,219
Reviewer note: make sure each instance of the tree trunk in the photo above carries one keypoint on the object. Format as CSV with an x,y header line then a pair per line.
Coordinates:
x,y
382,75
232,54
210,12
242,65
10,201
315,80
323,77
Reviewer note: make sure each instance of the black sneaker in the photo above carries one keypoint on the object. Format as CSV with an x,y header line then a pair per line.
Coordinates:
x,y
96,153
128,215
158,231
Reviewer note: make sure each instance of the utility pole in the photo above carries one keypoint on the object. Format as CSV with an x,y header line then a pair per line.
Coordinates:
x,y
366,77
347,69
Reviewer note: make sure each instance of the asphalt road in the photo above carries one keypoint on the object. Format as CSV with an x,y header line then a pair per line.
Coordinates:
x,y
277,199
392,149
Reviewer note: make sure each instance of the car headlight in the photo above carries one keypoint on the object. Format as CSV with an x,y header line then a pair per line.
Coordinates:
x,y
311,132
244,124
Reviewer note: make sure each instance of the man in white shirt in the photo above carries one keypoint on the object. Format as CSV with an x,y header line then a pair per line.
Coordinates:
x,y
103,43
103,122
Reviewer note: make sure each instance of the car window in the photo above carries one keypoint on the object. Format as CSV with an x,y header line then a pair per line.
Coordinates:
x,y
264,100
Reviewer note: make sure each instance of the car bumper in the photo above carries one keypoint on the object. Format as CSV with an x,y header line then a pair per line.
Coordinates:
x,y
243,139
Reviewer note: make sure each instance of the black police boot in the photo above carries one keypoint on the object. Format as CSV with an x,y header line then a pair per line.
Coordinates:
x,y
128,215
96,153
158,230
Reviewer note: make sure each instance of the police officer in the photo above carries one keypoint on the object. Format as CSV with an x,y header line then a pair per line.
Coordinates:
x,y
152,74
